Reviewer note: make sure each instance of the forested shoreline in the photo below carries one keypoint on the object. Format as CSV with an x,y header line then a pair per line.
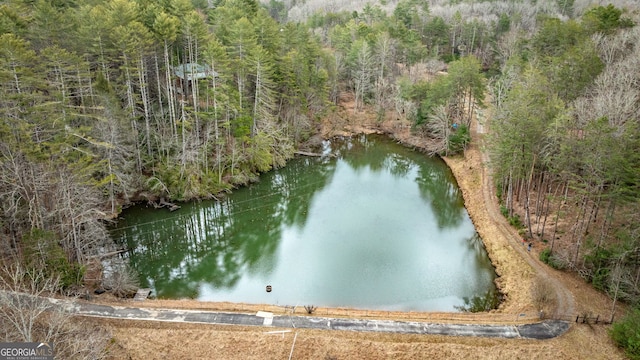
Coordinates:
x,y
107,102
95,114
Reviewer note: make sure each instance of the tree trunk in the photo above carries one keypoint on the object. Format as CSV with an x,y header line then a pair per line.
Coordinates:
x,y
158,86
216,127
527,212
555,226
540,200
593,214
142,81
192,50
576,237
606,223
183,130
548,208
170,91
617,278
510,195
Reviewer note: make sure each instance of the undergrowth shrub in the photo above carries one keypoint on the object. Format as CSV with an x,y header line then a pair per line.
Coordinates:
x,y
547,257
42,252
515,221
479,303
626,334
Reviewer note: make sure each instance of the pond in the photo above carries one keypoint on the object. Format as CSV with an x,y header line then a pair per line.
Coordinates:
x,y
370,225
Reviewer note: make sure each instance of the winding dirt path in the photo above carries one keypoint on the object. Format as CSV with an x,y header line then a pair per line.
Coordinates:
x,y
565,304
519,269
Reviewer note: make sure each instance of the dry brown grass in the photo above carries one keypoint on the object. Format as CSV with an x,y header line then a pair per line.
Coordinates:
x,y
157,340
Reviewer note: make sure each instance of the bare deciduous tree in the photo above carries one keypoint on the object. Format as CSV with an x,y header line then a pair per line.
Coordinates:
x,y
543,295
26,315
122,280
439,129
362,72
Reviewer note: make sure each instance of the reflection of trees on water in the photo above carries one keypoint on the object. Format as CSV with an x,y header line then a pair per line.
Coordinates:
x,y
442,194
365,152
436,185
216,242
174,251
298,184
476,244
478,255
368,152
283,197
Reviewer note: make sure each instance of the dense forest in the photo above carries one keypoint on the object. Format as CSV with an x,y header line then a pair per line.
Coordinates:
x,y
107,102
565,145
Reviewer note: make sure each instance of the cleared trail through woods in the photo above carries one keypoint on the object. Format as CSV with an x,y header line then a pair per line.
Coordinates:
x,y
565,302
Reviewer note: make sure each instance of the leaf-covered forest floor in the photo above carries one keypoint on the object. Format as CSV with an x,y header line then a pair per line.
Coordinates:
x,y
520,275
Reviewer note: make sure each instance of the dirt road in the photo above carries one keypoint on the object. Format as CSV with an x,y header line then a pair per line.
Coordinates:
x,y
565,303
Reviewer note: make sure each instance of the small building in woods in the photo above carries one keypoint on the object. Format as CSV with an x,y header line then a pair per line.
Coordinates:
x,y
188,72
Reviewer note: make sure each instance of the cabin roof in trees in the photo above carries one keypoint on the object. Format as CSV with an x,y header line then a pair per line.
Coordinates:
x,y
191,71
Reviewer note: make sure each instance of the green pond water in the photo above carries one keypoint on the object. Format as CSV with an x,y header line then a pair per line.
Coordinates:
x,y
375,226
